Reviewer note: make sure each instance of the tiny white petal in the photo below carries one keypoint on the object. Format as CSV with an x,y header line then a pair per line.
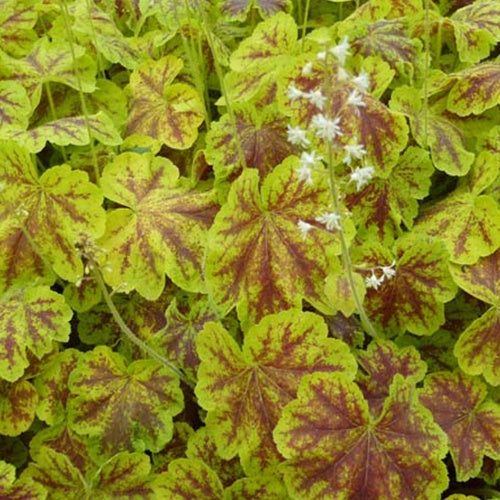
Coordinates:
x,y
354,150
361,176
355,99
304,227
294,93
389,271
304,173
321,56
362,81
297,136
341,51
325,127
373,282
342,74
316,97
330,220
307,69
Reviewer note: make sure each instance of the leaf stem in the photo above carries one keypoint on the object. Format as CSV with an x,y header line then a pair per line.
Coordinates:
x,y
132,336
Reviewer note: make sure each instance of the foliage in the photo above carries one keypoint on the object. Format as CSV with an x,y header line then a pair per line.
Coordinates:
x,y
249,249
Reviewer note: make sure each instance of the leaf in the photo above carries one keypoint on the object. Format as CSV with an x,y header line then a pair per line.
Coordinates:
x,y
476,90
434,130
413,299
57,209
15,107
472,423
468,224
65,131
50,62
17,407
169,112
18,490
125,475
238,9
52,386
245,390
339,293
265,486
17,19
30,319
477,348
202,446
177,339
162,230
381,362
380,206
257,258
477,29
262,136
123,408
190,478
84,297
338,450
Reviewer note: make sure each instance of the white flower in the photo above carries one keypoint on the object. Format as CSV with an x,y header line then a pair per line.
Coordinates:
x,y
316,97
355,150
321,56
304,227
330,220
362,176
362,81
309,159
355,99
305,174
389,271
341,51
307,69
294,93
373,282
342,74
297,136
326,128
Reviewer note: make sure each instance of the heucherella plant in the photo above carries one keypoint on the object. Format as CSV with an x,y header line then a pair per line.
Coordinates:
x,y
249,249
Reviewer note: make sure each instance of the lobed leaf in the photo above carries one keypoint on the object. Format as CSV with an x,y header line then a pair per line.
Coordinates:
x,y
169,112
162,230
18,490
30,319
18,402
336,449
124,408
15,107
238,9
257,258
245,390
472,423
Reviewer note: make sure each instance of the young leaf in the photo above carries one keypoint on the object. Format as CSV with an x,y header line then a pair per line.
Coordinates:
x,y
338,450
56,209
257,258
458,404
18,490
162,230
17,407
190,478
17,19
124,408
31,319
245,390
413,299
169,112
381,362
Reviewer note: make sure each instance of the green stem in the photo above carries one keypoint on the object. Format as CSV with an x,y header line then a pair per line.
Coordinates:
x,y
132,336
304,24
50,99
426,70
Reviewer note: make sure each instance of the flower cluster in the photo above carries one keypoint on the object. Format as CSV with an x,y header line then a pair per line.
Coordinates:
x,y
388,272
327,129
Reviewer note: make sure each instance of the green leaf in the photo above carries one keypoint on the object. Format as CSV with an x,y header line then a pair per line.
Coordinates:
x,y
53,211
262,136
257,257
83,297
50,62
245,390
189,478
17,19
169,112
18,490
468,224
163,230
338,450
413,299
477,348
477,30
434,130
265,486
476,90
124,408
472,423
15,107
30,319
238,9
17,407
381,362
176,447
65,131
